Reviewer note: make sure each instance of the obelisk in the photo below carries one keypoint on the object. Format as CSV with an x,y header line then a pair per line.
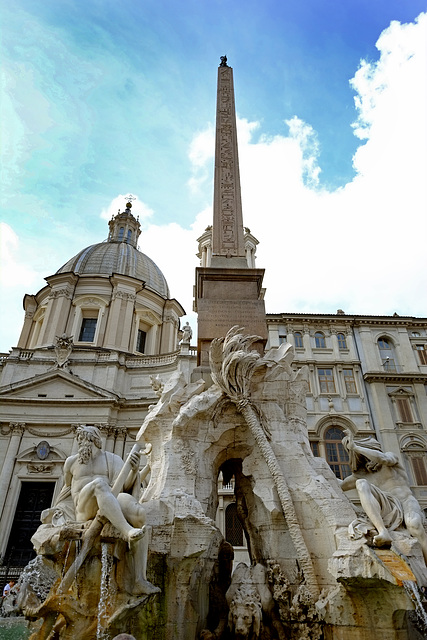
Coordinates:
x,y
228,290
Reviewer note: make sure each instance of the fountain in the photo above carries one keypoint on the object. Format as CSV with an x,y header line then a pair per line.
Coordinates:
x,y
156,566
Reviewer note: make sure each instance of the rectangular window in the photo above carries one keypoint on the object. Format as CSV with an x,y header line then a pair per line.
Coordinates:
x,y
350,384
326,380
87,330
404,408
298,340
419,467
140,341
422,353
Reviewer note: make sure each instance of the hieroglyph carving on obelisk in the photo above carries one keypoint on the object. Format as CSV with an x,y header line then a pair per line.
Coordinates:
x,y
228,239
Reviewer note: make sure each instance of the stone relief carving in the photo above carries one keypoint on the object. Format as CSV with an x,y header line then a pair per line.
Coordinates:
x,y
40,468
384,493
63,349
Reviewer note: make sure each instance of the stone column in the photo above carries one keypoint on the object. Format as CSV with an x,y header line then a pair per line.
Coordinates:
x,y
335,347
370,354
113,322
17,429
119,445
30,305
307,343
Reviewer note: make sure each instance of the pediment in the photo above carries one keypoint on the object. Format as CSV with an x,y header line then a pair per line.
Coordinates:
x,y
55,385
400,393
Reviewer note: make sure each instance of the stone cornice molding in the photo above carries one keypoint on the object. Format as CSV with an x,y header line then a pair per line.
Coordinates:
x,y
395,378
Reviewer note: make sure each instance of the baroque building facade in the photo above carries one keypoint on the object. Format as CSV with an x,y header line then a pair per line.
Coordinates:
x,y
367,374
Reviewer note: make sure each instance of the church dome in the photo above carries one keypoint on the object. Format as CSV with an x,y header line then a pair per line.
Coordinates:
x,y
119,254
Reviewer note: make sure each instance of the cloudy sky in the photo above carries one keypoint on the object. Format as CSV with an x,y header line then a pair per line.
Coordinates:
x,y
100,99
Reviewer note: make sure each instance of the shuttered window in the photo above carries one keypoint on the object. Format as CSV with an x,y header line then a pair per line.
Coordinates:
x,y
404,409
420,472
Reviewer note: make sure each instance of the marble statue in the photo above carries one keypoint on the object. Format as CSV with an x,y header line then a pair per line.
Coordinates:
x,y
384,490
187,333
98,482
96,539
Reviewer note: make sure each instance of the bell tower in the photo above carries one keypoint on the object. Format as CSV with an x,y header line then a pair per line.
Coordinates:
x,y
228,288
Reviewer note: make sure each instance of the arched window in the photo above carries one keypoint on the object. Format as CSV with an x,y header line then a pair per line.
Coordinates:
x,y
233,526
387,354
336,455
129,236
320,341
121,233
298,340
342,342
415,451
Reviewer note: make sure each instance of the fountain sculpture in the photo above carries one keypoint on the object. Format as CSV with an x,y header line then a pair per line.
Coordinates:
x,y
309,578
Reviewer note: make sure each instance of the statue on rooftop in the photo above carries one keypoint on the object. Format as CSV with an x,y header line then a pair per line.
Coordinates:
x,y
223,61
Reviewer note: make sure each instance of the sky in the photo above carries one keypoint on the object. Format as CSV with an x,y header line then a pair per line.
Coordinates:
x,y
100,99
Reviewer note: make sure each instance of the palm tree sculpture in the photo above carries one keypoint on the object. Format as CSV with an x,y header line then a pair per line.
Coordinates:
x,y
232,367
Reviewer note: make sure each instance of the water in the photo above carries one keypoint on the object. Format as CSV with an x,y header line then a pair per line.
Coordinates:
x,y
414,593
106,566
14,629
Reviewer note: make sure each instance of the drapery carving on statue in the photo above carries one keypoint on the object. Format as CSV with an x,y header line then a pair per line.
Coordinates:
x,y
384,492
100,487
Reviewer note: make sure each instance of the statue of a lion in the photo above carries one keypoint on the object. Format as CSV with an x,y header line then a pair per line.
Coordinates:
x,y
249,600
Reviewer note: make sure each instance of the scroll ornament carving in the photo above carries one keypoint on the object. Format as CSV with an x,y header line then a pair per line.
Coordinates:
x,y
61,293
124,295
17,428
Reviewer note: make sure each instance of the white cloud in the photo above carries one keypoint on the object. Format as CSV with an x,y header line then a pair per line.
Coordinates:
x,y
357,247
15,275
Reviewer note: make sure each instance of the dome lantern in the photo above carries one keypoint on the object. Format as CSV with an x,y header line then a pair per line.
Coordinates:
x,y
124,227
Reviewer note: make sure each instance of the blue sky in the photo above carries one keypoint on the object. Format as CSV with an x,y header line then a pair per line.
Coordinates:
x,y
101,98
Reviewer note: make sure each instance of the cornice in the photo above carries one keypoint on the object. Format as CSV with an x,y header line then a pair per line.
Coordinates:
x,y
394,378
